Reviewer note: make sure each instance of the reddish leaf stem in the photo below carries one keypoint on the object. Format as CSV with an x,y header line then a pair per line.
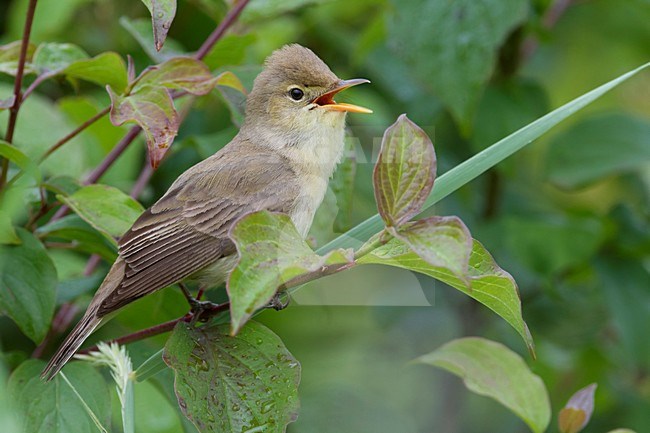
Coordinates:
x,y
18,83
218,33
37,82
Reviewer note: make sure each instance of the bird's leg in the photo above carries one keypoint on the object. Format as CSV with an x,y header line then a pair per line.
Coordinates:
x,y
280,301
197,307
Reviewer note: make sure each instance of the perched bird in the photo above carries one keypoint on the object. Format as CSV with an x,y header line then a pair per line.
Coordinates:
x,y
281,160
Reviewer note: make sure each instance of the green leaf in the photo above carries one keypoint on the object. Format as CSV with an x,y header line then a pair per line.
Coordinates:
x,y
442,242
10,54
228,51
62,184
162,15
271,254
151,107
577,412
452,46
84,237
233,384
596,147
404,173
105,208
7,232
105,69
27,282
15,155
470,169
234,93
140,29
182,73
491,369
489,284
53,407
53,57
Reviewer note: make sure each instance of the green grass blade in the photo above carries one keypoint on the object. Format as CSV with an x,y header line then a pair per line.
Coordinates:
x,y
483,161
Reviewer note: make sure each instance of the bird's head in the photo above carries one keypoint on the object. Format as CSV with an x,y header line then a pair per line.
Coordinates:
x,y
295,94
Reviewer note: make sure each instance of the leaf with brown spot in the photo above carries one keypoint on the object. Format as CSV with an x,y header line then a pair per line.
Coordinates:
x,y
233,384
179,73
151,107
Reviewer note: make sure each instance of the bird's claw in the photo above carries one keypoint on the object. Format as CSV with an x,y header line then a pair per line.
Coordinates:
x,y
278,303
199,308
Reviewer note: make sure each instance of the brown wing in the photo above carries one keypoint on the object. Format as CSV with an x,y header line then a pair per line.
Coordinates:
x,y
187,229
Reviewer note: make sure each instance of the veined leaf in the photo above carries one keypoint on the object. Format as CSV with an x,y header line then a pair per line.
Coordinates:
x,y
491,369
27,282
151,107
105,69
483,161
442,242
53,57
271,254
53,407
10,54
184,73
404,173
162,15
233,384
104,207
488,283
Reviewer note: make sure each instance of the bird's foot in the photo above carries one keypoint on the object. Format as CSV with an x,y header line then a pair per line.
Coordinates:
x,y
201,311
280,301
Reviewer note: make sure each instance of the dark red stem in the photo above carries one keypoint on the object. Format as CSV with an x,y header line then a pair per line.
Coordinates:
x,y
18,83
224,25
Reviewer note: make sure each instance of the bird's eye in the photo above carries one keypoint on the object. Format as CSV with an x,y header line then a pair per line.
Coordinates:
x,y
296,94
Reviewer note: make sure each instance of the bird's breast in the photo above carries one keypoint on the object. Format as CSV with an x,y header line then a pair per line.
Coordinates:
x,y
312,192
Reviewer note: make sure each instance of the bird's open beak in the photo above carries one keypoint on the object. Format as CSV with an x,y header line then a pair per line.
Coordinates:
x,y
327,102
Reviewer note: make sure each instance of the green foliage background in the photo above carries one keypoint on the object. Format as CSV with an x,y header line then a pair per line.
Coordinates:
x,y
567,217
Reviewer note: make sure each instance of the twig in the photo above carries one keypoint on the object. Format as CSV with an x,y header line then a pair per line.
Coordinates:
x,y
218,33
18,83
37,82
142,181
74,133
159,329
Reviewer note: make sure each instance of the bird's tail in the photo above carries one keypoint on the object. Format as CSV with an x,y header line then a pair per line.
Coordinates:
x,y
73,341
88,323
